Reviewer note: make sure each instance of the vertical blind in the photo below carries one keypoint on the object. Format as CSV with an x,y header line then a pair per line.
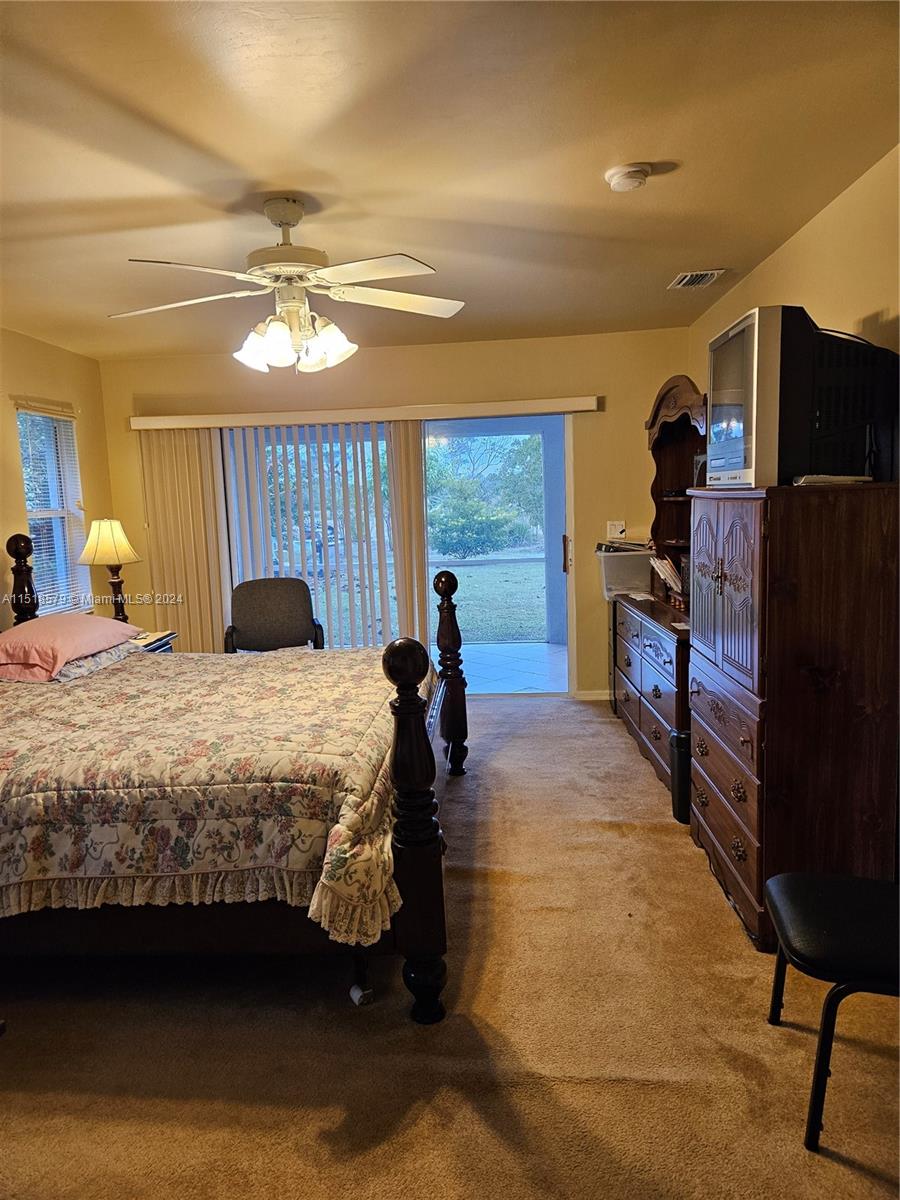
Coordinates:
x,y
182,472
53,504
312,501
406,463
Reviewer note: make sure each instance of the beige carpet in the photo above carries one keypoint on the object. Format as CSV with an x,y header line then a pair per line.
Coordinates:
x,y
607,1036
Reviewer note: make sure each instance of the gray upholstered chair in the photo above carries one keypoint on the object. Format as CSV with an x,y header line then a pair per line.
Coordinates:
x,y
270,614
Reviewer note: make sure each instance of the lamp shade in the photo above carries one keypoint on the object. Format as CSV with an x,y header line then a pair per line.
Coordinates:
x,y
277,347
311,356
252,354
336,346
107,545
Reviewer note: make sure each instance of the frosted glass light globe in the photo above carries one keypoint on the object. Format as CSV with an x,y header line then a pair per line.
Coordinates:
x,y
277,344
252,353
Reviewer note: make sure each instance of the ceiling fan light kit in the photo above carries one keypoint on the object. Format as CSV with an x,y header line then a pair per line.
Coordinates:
x,y
294,336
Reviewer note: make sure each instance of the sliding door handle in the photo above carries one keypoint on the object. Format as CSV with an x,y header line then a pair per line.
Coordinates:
x,y
565,556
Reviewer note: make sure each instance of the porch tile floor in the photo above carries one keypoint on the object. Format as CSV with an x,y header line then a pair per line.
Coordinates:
x,y
511,667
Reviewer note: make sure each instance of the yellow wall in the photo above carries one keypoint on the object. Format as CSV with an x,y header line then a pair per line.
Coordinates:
x,y
612,467
36,369
842,267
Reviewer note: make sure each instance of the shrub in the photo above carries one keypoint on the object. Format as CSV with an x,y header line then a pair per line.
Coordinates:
x,y
463,525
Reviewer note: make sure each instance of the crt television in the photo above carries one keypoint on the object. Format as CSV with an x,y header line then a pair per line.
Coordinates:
x,y
787,398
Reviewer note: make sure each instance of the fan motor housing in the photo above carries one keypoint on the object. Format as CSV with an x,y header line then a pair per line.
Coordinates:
x,y
275,261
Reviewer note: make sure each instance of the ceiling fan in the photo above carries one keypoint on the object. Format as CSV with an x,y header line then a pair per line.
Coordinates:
x,y
293,335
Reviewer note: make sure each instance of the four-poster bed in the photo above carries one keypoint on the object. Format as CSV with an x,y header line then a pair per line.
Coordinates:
x,y
368,749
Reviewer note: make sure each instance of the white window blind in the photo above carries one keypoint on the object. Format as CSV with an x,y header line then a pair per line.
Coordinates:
x,y
312,502
53,504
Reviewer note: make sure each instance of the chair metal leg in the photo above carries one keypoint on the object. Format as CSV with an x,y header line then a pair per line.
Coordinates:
x,y
777,1002
821,1071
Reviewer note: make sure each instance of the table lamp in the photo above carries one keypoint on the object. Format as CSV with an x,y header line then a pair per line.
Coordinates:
x,y
108,546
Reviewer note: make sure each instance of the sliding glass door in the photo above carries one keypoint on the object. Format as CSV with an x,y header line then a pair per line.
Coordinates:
x,y
313,502
496,518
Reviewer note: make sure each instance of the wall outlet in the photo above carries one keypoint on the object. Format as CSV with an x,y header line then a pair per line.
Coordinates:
x,y
615,529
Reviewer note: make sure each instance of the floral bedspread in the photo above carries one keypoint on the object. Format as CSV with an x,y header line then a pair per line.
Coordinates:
x,y
192,778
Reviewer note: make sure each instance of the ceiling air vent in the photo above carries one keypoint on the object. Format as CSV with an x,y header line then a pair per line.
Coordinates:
x,y
695,279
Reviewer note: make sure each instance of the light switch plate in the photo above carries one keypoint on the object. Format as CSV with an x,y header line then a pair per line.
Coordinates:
x,y
615,529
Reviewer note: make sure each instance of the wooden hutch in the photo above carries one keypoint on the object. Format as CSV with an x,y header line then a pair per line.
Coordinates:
x,y
649,639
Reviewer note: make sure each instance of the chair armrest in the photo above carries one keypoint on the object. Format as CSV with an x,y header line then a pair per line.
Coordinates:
x,y
318,635
229,640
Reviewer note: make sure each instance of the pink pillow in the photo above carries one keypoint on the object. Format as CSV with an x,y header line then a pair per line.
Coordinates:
x,y
37,649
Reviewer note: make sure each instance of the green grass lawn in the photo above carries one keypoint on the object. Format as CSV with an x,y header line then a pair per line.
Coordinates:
x,y
500,602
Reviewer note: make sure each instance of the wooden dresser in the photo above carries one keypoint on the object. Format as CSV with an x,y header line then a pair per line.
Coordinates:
x,y
650,675
793,685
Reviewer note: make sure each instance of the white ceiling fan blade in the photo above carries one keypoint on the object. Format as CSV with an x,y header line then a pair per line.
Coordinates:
x,y
137,312
160,262
426,306
388,266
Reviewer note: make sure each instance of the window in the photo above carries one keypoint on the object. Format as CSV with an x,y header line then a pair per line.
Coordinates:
x,y
313,502
53,504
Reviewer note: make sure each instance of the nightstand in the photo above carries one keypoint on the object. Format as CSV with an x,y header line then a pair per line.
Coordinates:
x,y
159,642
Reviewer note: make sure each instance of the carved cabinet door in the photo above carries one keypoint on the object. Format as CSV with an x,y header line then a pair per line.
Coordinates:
x,y
705,577
741,563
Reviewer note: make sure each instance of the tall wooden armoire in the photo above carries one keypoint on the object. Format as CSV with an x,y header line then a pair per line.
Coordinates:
x,y
793,685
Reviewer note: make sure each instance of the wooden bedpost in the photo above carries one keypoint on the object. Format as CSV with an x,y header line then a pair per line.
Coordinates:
x,y
419,926
454,722
23,599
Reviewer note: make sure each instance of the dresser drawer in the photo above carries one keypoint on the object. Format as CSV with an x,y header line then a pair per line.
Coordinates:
x,y
657,747
659,692
629,661
746,906
628,626
658,649
738,787
736,846
655,730
738,727
628,700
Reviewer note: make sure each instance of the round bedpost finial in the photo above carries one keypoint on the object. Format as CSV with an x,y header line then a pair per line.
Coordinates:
x,y
405,662
445,584
20,545
23,599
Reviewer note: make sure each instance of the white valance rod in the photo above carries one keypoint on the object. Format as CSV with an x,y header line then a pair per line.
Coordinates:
x,y
397,412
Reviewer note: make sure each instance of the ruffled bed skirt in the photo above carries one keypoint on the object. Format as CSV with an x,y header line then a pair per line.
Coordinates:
x,y
353,924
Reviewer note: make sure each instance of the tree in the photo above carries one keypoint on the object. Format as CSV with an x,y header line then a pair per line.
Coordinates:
x,y
463,525
520,479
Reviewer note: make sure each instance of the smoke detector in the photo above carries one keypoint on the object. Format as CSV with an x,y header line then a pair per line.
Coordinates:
x,y
628,177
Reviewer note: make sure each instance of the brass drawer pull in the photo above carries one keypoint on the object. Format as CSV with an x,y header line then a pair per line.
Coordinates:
x,y
694,691
667,662
625,697
655,734
701,747
627,660
744,741
738,851
636,636
656,691
701,797
738,791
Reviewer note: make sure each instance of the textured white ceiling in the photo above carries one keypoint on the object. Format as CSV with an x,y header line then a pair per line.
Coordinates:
x,y
474,136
